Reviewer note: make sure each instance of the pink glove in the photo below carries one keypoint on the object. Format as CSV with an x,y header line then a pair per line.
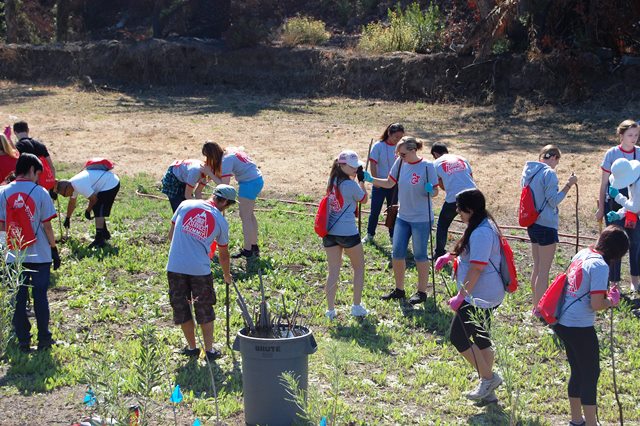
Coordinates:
x,y
455,302
614,295
443,260
7,132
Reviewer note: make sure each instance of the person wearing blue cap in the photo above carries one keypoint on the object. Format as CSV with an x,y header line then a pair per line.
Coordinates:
x,y
195,225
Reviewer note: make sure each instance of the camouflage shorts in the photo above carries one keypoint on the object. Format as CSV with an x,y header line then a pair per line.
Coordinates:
x,y
183,288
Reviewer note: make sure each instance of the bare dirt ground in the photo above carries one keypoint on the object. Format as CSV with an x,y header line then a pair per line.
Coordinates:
x,y
294,139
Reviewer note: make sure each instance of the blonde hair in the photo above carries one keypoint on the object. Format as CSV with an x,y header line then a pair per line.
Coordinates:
x,y
410,143
549,151
7,147
626,125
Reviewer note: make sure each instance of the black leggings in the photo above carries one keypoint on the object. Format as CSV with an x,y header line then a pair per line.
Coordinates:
x,y
465,320
583,352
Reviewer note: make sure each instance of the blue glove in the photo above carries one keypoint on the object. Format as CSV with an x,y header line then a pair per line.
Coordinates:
x,y
613,216
368,177
613,193
428,187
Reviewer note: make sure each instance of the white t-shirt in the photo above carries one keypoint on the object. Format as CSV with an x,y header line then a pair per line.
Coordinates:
x,y
415,202
89,182
616,152
384,155
483,249
588,274
197,223
455,173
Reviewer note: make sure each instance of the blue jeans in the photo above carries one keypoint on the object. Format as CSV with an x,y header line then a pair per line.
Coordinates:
x,y
175,201
419,234
634,243
447,214
378,197
38,278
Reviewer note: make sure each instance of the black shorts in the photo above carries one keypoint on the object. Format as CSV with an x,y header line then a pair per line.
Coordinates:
x,y
183,289
341,240
542,235
102,208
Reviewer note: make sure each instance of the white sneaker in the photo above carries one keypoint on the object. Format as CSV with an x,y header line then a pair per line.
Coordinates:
x,y
635,288
485,387
331,314
368,239
358,311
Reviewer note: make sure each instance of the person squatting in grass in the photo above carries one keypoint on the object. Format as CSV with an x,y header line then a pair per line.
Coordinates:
x,y
8,158
233,161
195,225
101,188
184,180
416,179
24,194
480,290
344,196
541,177
454,176
627,133
381,158
586,293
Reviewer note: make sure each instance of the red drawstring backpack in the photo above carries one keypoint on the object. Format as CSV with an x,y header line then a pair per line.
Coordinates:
x,y
527,213
46,180
98,163
20,208
507,269
321,223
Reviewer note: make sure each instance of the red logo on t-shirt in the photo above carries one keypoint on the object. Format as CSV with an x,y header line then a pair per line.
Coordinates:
x,y
574,277
415,178
242,156
453,166
198,223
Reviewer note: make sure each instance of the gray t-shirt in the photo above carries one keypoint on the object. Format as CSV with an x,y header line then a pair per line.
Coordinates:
x,y
483,249
197,224
617,152
588,274
384,155
239,164
415,202
342,208
40,210
455,173
188,171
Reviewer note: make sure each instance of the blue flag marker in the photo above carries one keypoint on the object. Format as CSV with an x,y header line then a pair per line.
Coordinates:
x,y
89,398
176,396
197,423
323,421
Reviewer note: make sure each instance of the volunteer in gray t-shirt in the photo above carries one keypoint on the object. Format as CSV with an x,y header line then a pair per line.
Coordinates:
x,y
417,180
585,294
454,176
342,232
543,182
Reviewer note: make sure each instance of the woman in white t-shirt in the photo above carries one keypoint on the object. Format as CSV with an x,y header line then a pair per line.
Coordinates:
x,y
627,132
480,290
586,293
344,195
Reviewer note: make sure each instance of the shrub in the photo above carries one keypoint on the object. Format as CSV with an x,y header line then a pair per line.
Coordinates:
x,y
409,30
304,30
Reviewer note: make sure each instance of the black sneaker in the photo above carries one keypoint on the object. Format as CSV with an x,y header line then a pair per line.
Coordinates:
x,y
243,253
418,297
213,355
107,234
98,243
45,346
190,352
396,293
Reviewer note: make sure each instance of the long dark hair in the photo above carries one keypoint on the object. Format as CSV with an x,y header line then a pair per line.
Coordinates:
x,y
613,243
391,129
472,200
214,153
336,175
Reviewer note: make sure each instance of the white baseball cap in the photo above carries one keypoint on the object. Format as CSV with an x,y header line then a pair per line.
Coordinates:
x,y
624,172
350,158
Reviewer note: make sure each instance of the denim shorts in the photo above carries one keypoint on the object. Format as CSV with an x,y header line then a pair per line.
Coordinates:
x,y
251,189
542,235
419,232
341,240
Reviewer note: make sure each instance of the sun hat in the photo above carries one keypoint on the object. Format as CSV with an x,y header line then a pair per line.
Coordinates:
x,y
624,172
350,158
227,192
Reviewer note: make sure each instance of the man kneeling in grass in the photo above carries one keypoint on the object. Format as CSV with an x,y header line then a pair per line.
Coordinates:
x,y
195,225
